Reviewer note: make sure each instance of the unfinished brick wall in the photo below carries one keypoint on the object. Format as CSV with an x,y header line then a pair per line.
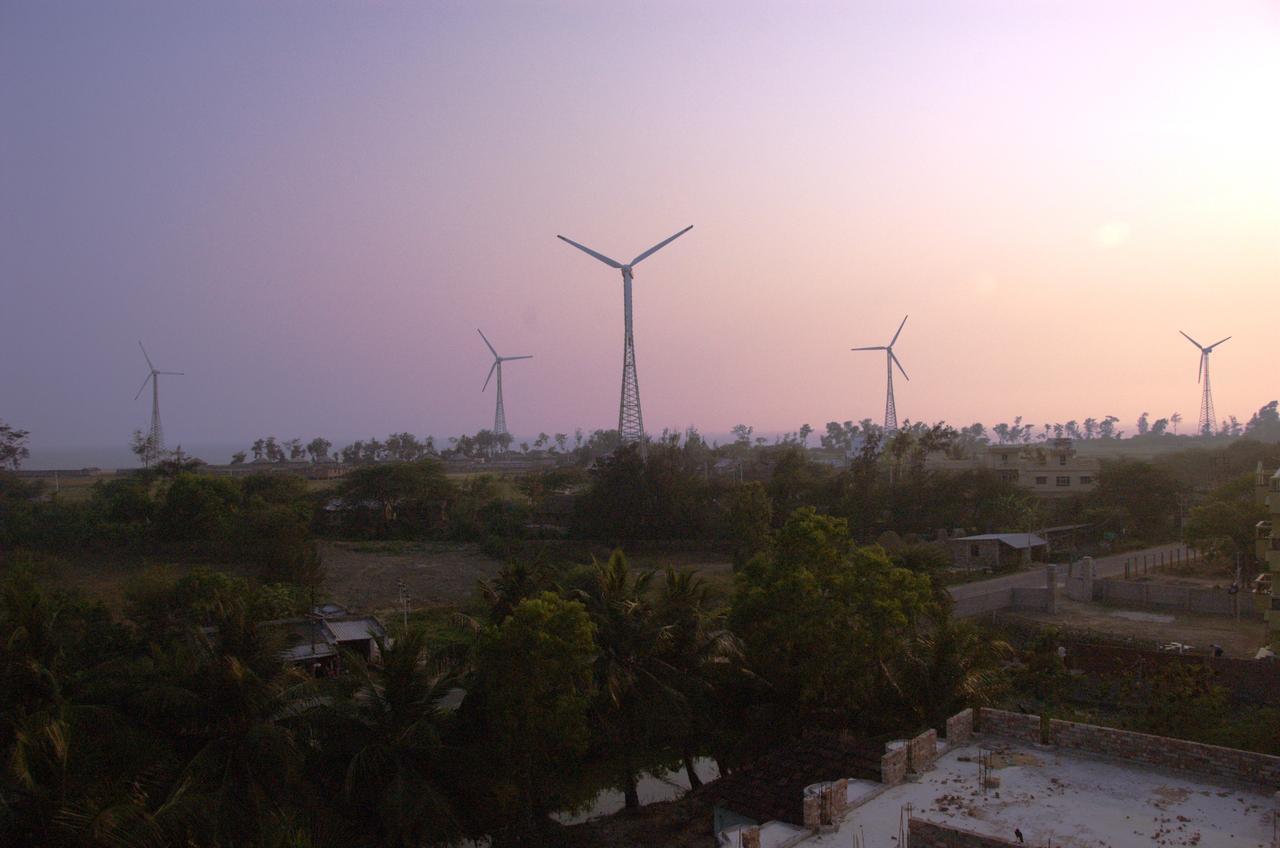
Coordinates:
x,y
893,765
1024,728
1169,753
1157,751
926,834
824,809
960,728
922,750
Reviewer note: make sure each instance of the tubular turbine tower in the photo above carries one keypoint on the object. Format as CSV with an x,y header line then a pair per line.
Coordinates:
x,y
630,419
499,413
155,438
1208,419
890,410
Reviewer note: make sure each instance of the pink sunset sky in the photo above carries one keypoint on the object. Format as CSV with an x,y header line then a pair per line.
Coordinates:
x,y
310,207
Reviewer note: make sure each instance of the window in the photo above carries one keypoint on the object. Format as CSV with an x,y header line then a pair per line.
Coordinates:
x,y
1085,479
1004,457
1062,459
1064,481
1042,481
974,550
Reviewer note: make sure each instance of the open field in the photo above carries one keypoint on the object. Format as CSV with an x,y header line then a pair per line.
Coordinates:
x,y
365,575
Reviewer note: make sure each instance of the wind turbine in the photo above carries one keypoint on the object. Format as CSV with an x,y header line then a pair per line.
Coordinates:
x,y
155,439
890,411
1207,417
630,419
499,415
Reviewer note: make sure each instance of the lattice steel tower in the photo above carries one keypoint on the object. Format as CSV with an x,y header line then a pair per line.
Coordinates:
x,y
155,437
499,413
630,418
1208,419
890,409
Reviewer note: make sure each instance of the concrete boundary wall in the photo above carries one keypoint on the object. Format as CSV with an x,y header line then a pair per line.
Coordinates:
x,y
1032,598
1142,593
927,834
1155,751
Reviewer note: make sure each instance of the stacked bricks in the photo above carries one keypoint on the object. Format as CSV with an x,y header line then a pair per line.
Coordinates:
x,y
925,834
893,765
960,728
824,808
1143,748
922,750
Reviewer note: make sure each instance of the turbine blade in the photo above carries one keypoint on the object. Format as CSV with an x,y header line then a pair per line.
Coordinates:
x,y
1200,370
660,245
486,342
1215,344
144,356
1193,341
606,260
895,361
509,358
149,377
174,373
492,368
877,347
900,326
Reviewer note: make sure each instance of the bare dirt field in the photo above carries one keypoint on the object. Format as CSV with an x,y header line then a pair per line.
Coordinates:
x,y
1144,627
365,576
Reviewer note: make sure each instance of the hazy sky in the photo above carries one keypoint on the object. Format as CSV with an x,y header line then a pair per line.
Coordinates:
x,y
310,207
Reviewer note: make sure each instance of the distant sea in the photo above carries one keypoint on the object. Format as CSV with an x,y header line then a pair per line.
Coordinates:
x,y
118,456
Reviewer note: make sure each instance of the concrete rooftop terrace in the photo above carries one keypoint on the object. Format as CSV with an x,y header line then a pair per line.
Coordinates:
x,y
1075,800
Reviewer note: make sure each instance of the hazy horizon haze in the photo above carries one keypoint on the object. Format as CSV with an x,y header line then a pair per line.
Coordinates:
x,y
310,209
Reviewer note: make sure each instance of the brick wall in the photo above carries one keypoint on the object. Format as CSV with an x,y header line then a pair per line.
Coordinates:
x,y
893,765
926,834
1143,748
1024,728
960,728
922,750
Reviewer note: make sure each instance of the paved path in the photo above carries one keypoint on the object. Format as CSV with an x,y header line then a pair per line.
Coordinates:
x,y
1108,566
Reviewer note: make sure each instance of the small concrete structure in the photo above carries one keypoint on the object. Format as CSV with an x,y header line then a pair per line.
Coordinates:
x,y
998,551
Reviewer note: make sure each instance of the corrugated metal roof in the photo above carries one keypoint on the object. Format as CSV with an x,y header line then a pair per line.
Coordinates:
x,y
1013,540
354,630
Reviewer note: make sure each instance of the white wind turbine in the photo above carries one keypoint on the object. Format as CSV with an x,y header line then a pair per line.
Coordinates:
x,y
1207,415
499,414
890,409
630,419
155,439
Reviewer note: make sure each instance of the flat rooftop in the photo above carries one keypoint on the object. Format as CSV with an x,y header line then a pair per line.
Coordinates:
x,y
1071,799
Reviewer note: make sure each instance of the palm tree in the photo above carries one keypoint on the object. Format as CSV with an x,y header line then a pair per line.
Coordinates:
x,y
698,650
634,699
1175,419
225,700
943,671
385,730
